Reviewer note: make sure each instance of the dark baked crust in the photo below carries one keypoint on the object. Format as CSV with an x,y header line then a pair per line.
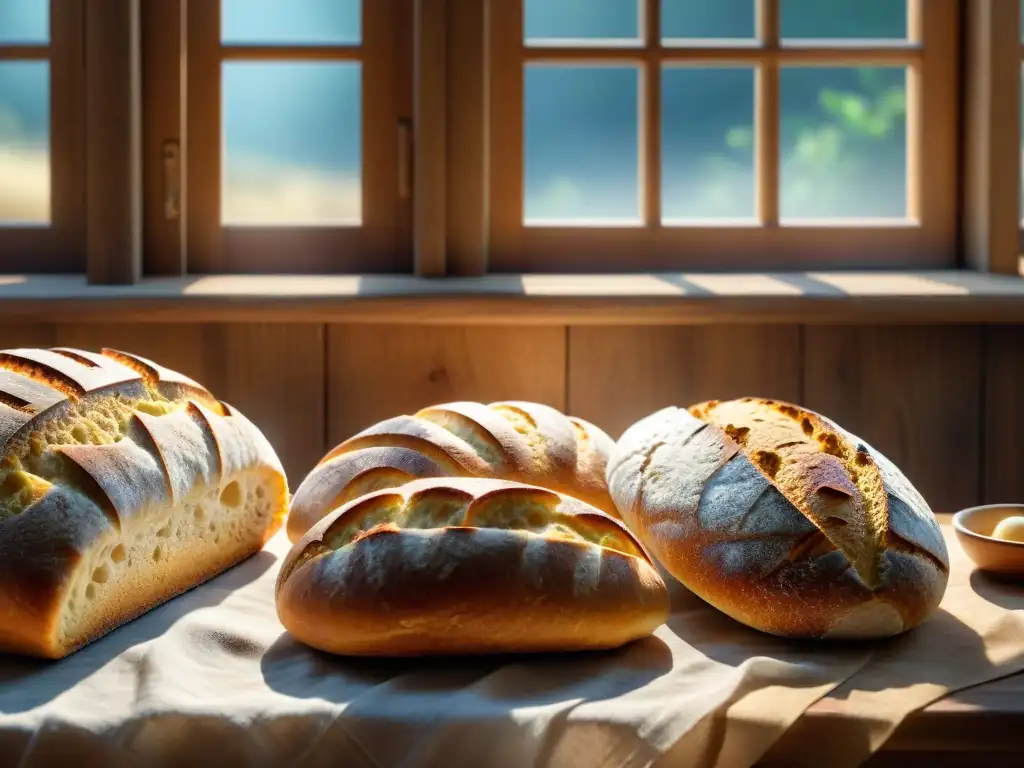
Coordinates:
x,y
525,442
745,531
468,566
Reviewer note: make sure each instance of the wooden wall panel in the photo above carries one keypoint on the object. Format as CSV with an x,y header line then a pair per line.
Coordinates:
x,y
273,373
19,335
913,392
944,402
1002,453
375,373
618,375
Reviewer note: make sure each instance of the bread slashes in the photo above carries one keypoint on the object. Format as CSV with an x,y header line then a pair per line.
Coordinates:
x,y
468,566
122,484
781,519
525,442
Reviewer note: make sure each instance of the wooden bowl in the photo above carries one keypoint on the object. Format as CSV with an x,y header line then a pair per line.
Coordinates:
x,y
974,527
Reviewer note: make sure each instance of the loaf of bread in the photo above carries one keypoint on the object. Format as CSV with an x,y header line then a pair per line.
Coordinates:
x,y
525,442
468,566
122,484
781,519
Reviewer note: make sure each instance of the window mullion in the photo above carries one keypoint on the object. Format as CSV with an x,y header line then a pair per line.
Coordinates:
x,y
113,150
163,137
767,118
466,125
202,145
429,145
991,204
933,128
650,125
505,130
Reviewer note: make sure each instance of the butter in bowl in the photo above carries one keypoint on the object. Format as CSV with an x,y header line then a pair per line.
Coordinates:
x,y
993,537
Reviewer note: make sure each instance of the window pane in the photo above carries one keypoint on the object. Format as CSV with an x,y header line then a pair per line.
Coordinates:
x,y
713,19
707,143
581,145
839,19
292,143
24,21
844,143
581,19
291,22
24,142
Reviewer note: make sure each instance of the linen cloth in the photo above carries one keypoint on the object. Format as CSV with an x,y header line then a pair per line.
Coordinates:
x,y
211,678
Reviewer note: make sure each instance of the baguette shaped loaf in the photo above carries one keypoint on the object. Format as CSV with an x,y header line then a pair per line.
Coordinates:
x,y
781,519
122,484
468,566
525,442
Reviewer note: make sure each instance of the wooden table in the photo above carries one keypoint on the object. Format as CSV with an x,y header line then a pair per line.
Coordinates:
x,y
983,725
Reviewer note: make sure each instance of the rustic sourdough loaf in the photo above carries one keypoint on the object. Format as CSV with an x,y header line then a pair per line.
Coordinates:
x,y
122,483
781,519
468,566
524,442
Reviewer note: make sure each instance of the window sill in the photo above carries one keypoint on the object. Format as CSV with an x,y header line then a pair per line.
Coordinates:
x,y
653,299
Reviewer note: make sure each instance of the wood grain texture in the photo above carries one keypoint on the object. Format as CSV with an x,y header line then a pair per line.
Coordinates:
x,y
914,393
618,375
22,335
862,298
991,185
465,121
273,373
376,373
430,144
1002,454
162,121
114,146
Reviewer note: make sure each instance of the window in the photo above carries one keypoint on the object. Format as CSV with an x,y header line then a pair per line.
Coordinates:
x,y
686,133
294,156
450,137
42,132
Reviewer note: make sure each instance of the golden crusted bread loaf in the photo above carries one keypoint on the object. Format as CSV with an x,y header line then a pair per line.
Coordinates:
x,y
781,519
468,566
122,484
526,442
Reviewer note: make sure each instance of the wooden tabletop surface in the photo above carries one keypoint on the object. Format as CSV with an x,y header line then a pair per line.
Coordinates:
x,y
986,718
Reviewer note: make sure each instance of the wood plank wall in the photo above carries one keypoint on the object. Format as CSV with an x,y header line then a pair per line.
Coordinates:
x,y
946,403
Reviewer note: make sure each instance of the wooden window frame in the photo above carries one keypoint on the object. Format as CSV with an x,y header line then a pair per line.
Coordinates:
x,y
380,243
107,173
60,246
932,159
992,114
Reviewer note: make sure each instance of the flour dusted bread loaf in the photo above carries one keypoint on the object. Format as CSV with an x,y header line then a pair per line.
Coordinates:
x,y
781,519
468,566
524,442
122,483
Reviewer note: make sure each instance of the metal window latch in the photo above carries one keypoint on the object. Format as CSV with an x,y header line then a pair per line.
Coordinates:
x,y
405,158
171,156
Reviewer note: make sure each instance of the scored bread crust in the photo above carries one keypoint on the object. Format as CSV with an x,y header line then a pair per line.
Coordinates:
x,y
512,440
445,566
781,519
122,484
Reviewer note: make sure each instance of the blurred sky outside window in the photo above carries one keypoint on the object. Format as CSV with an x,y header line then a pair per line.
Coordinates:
x,y
293,130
